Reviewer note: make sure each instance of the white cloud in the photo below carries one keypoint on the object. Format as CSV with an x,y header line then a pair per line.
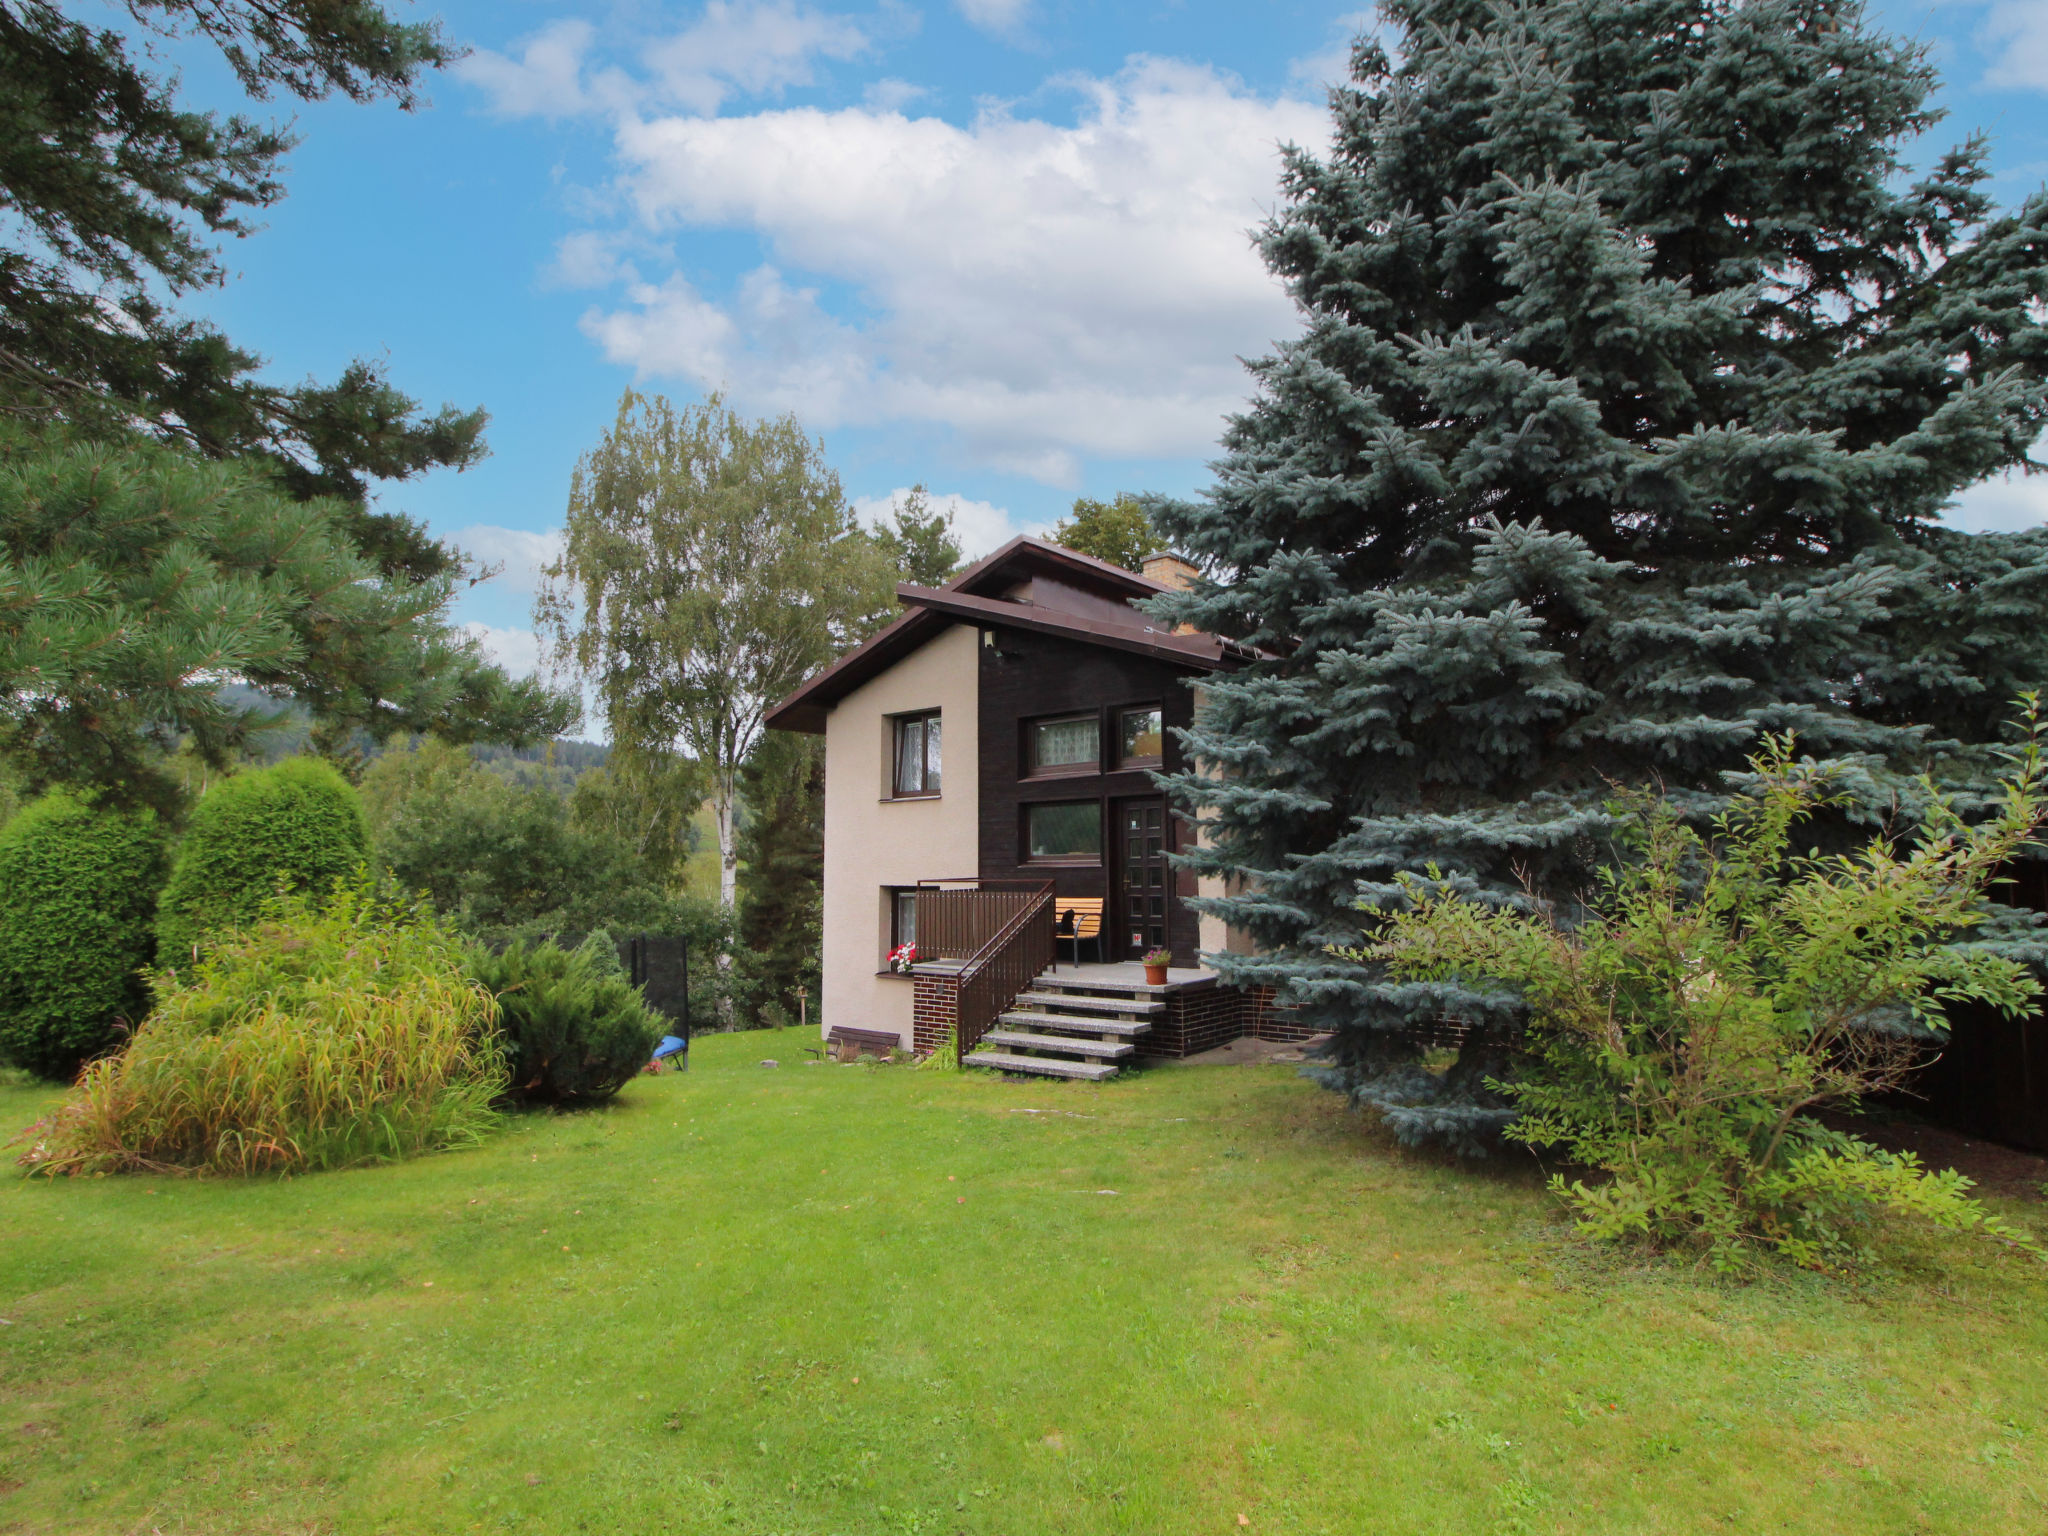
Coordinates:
x,y
892,95
2011,503
547,79
589,258
516,650
1046,291
520,552
980,526
1332,65
732,48
2019,29
750,48
999,16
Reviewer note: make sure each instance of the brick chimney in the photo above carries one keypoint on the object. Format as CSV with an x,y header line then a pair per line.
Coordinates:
x,y
1170,570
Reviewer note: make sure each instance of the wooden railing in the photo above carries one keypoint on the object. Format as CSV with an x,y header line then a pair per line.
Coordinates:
x,y
1014,957
955,918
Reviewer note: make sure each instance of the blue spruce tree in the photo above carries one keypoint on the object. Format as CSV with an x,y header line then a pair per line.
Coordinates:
x,y
1636,373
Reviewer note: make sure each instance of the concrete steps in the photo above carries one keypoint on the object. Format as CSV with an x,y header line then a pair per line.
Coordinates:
x,y
1064,1027
1074,1045
1067,1021
1040,1066
1088,1002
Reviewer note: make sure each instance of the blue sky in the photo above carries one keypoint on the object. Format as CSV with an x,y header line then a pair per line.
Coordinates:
x,y
996,246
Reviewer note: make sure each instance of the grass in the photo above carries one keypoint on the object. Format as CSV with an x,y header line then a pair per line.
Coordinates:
x,y
825,1299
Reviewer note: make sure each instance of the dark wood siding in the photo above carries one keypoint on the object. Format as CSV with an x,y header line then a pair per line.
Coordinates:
x,y
1026,677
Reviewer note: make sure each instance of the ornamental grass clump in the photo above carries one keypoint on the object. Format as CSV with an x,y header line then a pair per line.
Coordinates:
x,y
1687,1020
319,1037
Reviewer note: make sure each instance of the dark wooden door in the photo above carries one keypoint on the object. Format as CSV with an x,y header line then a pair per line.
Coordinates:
x,y
1141,875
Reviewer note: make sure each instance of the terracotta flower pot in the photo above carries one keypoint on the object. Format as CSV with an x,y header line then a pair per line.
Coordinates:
x,y
1155,975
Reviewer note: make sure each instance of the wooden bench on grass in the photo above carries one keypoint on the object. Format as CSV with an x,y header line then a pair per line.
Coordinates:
x,y
1078,918
846,1044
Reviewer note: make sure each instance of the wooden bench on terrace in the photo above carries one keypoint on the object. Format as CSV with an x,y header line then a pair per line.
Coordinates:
x,y
1078,918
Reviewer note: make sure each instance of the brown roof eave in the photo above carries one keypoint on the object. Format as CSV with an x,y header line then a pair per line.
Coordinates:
x,y
805,709
1201,652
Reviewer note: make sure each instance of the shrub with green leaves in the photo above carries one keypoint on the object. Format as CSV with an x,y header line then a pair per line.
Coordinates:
x,y
296,826
318,1037
499,857
575,1030
1685,1022
78,889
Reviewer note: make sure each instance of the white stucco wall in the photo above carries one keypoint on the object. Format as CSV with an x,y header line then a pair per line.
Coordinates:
x,y
872,841
1214,936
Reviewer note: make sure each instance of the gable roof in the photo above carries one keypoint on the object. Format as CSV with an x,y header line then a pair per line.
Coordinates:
x,y
1028,585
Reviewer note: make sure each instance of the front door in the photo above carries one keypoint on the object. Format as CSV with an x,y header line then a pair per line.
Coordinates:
x,y
1141,875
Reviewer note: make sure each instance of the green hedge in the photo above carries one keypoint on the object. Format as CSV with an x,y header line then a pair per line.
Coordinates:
x,y
78,892
575,1029
298,825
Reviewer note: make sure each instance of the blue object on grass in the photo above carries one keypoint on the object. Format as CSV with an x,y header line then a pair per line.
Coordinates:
x,y
670,1046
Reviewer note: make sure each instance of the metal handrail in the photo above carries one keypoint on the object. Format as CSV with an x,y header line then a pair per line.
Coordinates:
x,y
957,917
1012,958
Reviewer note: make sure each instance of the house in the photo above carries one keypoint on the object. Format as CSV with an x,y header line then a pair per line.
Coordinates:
x,y
990,799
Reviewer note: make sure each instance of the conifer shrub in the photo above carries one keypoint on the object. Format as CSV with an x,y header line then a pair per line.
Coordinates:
x,y
296,826
574,1028
319,1036
1686,1019
78,889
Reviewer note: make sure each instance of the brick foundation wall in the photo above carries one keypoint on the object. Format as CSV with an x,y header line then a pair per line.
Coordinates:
x,y
934,1011
1266,1020
1197,1019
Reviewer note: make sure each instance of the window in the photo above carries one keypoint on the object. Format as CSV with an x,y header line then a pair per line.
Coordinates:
x,y
902,917
1140,740
1072,745
1067,832
916,759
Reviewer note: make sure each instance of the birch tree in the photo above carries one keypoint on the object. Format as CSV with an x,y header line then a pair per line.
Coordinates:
x,y
710,565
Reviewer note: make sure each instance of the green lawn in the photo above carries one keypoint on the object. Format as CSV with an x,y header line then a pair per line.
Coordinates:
x,y
851,1299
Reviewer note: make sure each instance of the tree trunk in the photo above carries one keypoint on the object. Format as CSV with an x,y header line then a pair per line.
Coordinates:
x,y
728,845
723,797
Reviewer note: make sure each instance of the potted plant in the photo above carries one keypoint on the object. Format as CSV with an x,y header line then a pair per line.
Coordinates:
x,y
1155,962
902,958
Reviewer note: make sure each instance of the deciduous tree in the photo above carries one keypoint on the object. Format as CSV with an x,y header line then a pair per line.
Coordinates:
x,y
710,565
1120,531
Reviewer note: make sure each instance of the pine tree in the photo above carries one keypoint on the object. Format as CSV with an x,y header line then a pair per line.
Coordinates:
x,y
117,191
134,577
918,540
1635,375
782,878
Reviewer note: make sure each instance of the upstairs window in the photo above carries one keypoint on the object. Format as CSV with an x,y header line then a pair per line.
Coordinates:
x,y
1141,741
916,757
1069,745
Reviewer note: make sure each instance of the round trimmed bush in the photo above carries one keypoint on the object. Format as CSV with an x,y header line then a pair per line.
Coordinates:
x,y
296,826
78,892
574,1029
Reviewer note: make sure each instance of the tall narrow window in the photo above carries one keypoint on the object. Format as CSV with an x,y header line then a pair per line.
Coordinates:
x,y
917,755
